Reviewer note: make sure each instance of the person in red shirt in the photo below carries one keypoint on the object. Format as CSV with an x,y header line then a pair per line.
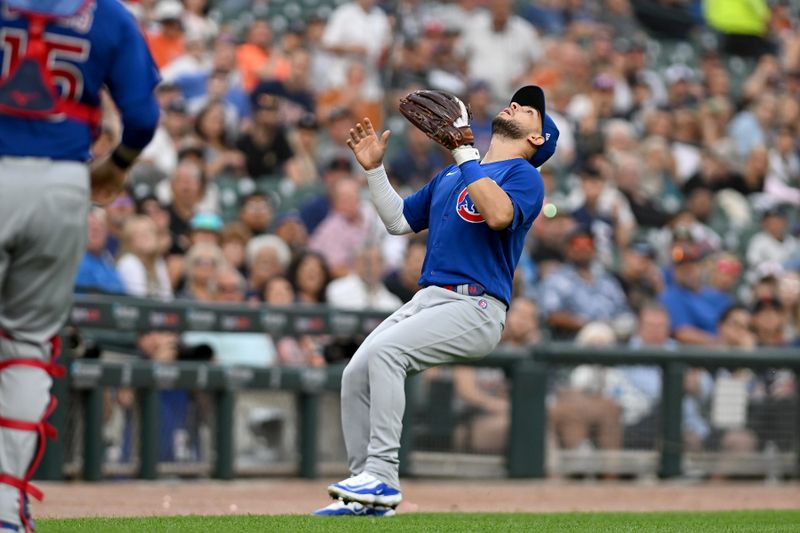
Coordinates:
x,y
256,59
167,44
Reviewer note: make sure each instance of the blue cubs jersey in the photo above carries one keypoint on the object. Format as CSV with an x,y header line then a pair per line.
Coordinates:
x,y
461,246
99,46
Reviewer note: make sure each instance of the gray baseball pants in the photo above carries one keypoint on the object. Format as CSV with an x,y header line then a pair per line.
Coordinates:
x,y
436,327
43,209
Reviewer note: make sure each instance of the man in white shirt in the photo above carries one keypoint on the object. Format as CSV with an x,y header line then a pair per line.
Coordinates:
x,y
499,48
772,245
356,31
363,288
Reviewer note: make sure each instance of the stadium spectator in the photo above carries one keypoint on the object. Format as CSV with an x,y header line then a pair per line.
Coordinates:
x,y
789,296
162,152
639,275
404,282
233,241
291,229
118,212
140,266
749,127
742,24
295,92
581,291
150,206
356,31
309,276
205,228
336,127
685,228
601,208
195,60
257,58
166,43
499,47
314,210
265,147
344,230
725,272
186,186
629,174
218,89
783,178
773,245
547,241
769,322
97,272
693,312
267,256
355,95
363,288
479,96
197,21
219,155
195,87
202,262
416,163
303,168
256,213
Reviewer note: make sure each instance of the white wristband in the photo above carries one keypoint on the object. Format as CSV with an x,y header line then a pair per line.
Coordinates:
x,y
465,153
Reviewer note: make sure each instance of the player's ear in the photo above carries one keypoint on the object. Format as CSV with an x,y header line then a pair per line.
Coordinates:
x,y
535,140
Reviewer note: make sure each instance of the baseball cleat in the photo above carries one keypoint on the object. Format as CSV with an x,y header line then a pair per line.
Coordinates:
x,y
366,489
342,508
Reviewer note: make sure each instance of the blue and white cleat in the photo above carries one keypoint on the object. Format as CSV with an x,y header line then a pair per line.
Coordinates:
x,y
342,508
366,489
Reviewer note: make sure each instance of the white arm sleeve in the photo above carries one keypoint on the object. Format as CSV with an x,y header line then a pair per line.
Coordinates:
x,y
387,202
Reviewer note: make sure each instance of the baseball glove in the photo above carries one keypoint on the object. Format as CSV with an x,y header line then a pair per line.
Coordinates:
x,y
440,115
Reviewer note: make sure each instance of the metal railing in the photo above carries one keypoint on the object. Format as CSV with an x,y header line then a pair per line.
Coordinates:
x,y
527,372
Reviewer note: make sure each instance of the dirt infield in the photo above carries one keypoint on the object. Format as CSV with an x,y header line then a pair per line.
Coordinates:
x,y
293,496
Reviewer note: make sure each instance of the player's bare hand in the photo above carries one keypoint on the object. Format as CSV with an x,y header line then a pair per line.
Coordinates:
x,y
108,181
368,148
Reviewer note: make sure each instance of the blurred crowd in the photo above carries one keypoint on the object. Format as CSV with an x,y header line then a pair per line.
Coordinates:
x,y
672,209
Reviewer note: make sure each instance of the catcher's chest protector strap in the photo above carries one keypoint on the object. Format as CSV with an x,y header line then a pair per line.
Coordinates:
x,y
29,90
42,428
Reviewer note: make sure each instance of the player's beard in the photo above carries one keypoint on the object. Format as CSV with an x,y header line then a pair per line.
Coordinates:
x,y
506,128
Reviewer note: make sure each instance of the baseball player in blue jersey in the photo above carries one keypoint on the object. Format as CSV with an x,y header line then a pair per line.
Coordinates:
x,y
56,56
477,215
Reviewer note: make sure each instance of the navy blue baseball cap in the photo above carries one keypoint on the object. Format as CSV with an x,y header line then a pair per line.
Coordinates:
x,y
533,96
548,148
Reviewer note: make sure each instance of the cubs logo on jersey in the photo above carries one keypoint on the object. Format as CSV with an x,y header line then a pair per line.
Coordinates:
x,y
467,210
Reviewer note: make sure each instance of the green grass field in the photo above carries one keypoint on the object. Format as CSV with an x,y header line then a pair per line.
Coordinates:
x,y
756,521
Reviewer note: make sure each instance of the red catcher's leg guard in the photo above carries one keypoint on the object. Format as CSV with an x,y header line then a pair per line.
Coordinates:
x,y
42,428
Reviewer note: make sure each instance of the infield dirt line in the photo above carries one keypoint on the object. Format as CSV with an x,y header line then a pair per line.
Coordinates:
x,y
292,496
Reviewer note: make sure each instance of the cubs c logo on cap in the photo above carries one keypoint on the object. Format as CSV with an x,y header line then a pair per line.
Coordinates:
x,y
466,209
